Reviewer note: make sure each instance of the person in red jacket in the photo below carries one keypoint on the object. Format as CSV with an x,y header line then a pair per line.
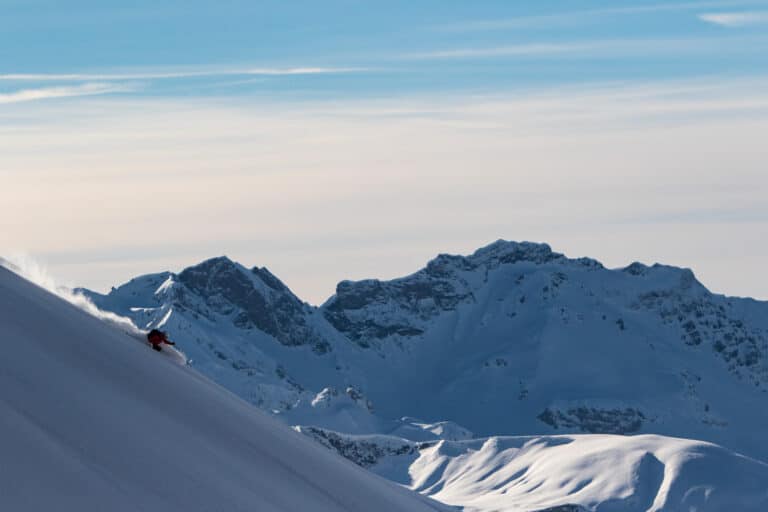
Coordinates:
x,y
156,338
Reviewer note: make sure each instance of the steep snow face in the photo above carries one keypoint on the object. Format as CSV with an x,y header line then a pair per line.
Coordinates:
x,y
565,473
92,420
513,339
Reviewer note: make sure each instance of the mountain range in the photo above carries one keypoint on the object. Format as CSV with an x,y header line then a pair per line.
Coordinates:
x,y
511,379
514,339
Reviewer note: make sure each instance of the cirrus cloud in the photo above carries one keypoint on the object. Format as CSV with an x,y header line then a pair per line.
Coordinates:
x,y
736,19
159,74
43,93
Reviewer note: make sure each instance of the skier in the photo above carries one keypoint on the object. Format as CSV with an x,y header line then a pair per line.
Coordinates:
x,y
157,338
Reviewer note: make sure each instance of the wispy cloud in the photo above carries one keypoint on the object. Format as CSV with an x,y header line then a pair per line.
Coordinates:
x,y
521,50
156,74
579,17
736,19
596,48
566,157
87,89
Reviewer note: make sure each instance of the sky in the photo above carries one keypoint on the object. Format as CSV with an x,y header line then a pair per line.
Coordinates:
x,y
347,139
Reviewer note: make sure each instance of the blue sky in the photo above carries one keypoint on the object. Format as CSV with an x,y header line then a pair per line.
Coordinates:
x,y
341,48
349,139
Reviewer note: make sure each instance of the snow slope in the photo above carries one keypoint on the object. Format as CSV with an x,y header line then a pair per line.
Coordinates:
x,y
513,339
92,420
588,472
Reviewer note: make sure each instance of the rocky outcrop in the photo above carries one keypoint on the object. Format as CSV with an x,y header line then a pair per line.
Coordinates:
x,y
365,451
703,319
370,310
595,420
254,299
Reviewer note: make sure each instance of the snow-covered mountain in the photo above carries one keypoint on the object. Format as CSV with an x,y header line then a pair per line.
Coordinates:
x,y
90,419
514,339
569,473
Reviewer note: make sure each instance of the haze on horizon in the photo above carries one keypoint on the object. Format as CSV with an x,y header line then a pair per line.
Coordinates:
x,y
348,140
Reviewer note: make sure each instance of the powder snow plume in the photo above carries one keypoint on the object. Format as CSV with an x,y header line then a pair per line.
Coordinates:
x,y
33,271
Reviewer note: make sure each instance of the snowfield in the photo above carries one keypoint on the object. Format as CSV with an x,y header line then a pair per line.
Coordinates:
x,y
92,420
590,472
598,472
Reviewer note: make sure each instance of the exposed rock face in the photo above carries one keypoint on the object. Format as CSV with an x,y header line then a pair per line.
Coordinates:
x,y
254,299
595,420
564,508
370,310
701,318
364,452
330,397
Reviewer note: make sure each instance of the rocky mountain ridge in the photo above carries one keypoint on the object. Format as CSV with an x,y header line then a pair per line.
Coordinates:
x,y
513,339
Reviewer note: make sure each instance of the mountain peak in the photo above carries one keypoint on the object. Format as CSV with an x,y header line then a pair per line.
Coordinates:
x,y
504,251
217,263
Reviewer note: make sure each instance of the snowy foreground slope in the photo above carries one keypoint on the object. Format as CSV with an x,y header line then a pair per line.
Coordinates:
x,y
92,420
515,339
588,472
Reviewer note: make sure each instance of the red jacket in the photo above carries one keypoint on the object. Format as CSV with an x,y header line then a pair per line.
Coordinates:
x,y
156,337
